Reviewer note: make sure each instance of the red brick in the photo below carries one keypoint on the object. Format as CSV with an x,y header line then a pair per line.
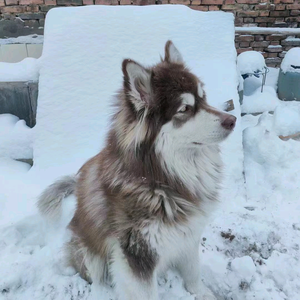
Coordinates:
x,y
279,13
212,2
260,44
213,7
265,6
275,37
280,7
50,2
28,2
283,1
245,38
264,13
196,2
106,2
11,2
248,20
264,54
88,2
274,49
259,38
274,43
273,55
293,6
185,2
199,7
248,1
2,3
295,12
229,2
259,49
264,19
32,8
138,2
228,7
241,50
13,9
244,44
248,13
263,24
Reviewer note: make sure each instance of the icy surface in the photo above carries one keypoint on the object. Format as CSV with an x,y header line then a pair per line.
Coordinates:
x,y
25,70
250,62
292,57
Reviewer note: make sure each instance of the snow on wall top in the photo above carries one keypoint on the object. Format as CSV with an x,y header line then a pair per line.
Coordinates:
x,y
81,69
292,58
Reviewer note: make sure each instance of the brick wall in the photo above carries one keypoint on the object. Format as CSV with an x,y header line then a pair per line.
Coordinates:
x,y
272,45
23,17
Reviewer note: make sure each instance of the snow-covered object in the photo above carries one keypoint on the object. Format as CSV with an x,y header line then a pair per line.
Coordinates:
x,y
25,70
291,58
250,62
260,101
244,268
80,71
15,138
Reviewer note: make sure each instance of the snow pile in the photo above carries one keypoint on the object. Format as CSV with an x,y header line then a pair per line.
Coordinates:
x,y
292,58
250,62
260,101
25,70
15,138
27,39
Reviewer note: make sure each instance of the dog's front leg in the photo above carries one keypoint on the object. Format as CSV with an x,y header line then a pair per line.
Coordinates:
x,y
134,275
189,267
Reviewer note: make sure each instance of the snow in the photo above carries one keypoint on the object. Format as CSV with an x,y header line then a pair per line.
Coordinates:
x,y
25,70
250,250
15,138
292,57
27,39
250,62
274,30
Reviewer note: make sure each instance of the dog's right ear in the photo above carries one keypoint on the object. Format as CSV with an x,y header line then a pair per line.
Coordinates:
x,y
137,83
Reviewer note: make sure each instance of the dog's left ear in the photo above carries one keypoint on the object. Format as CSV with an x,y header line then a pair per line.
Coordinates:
x,y
137,82
172,55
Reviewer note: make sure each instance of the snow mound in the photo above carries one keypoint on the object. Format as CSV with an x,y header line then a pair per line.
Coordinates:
x,y
15,138
25,70
27,39
260,101
291,58
250,62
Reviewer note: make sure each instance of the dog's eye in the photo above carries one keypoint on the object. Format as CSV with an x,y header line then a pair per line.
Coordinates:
x,y
183,109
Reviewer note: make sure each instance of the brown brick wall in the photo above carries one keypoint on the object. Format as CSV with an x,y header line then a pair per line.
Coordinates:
x,y
272,13
272,46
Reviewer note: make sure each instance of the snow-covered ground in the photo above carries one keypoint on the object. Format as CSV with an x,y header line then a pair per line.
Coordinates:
x,y
250,250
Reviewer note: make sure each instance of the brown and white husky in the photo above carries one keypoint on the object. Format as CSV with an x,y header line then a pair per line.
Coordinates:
x,y
143,201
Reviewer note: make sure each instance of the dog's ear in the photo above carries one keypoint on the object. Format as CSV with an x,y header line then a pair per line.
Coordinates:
x,y
172,55
137,82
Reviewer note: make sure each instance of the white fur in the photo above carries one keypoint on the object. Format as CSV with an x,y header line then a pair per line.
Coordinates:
x,y
188,99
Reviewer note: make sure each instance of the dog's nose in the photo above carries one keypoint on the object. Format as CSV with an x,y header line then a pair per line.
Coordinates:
x,y
229,122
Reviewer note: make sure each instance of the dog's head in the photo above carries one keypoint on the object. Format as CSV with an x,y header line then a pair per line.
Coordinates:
x,y
168,102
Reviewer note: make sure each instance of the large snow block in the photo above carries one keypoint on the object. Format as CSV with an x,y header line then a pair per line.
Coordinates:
x,y
81,69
